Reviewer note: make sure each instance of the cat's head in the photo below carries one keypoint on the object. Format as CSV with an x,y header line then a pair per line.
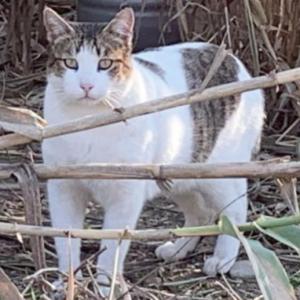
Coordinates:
x,y
88,62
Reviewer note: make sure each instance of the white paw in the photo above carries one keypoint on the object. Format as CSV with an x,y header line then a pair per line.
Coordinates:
x,y
119,290
104,285
59,291
169,252
214,265
104,292
242,269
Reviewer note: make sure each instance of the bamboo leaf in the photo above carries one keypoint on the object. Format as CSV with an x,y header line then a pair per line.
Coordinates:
x,y
227,227
288,235
270,274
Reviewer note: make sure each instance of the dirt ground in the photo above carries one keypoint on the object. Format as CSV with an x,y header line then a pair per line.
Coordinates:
x,y
149,277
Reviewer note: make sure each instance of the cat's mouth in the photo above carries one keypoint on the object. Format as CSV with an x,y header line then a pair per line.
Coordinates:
x,y
91,100
87,98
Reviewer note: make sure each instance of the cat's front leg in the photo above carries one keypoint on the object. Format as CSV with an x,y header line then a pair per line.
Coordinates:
x,y
122,212
67,202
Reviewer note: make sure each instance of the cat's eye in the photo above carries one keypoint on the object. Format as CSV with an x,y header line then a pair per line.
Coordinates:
x,y
105,63
71,63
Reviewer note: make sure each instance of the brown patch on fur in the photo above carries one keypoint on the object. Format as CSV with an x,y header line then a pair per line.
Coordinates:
x,y
154,68
209,116
117,47
61,48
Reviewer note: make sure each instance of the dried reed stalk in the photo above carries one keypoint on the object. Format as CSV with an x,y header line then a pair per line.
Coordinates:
x,y
164,171
33,209
8,291
193,96
147,234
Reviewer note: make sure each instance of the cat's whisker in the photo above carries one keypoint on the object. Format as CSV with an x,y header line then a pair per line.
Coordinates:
x,y
114,105
111,100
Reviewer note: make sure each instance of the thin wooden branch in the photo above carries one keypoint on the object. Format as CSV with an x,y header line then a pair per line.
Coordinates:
x,y
164,171
8,291
13,139
111,117
147,234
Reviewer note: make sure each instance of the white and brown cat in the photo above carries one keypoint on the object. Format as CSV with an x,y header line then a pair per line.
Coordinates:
x,y
89,65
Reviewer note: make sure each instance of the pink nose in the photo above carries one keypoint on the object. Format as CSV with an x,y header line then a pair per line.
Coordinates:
x,y
86,86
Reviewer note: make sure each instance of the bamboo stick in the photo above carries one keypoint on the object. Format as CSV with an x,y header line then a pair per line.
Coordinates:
x,y
164,171
147,234
13,139
111,117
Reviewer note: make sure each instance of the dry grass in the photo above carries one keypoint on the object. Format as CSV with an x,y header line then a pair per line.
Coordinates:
x,y
264,34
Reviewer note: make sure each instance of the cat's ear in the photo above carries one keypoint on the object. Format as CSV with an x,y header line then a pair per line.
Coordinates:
x,y
123,23
55,25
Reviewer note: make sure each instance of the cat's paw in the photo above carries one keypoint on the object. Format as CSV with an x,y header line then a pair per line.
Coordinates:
x,y
214,265
104,292
169,252
120,289
59,291
104,283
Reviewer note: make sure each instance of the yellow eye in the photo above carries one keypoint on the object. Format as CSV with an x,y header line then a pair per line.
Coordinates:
x,y
105,63
71,63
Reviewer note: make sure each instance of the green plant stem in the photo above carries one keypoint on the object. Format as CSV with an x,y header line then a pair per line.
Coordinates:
x,y
148,234
216,229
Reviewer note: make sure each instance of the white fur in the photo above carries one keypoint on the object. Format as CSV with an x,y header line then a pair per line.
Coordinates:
x,y
164,137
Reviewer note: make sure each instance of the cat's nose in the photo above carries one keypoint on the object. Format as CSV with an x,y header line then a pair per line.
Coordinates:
x,y
86,86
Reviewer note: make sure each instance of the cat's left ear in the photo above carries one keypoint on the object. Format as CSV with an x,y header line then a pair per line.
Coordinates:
x,y
123,24
55,25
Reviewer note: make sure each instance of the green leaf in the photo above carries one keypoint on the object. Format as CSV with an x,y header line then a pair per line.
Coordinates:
x,y
288,235
270,274
226,226
295,279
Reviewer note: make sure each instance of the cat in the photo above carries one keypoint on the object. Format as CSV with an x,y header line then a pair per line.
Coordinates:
x,y
88,67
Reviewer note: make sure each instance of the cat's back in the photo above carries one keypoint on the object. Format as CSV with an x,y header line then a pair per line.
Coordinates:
x,y
184,66
219,123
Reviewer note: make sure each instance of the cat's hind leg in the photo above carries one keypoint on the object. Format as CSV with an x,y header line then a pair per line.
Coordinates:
x,y
190,204
229,197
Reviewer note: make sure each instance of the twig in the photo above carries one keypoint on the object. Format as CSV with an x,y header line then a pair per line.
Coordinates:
x,y
163,171
193,96
32,201
8,291
227,290
71,283
148,234
234,294
40,272
115,271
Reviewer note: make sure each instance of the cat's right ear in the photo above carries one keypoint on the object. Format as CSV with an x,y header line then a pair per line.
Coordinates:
x,y
122,24
55,25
